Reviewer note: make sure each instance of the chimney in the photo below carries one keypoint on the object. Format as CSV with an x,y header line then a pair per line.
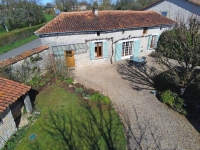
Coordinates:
x,y
95,11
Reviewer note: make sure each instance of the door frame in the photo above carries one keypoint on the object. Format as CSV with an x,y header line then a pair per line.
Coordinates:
x,y
69,58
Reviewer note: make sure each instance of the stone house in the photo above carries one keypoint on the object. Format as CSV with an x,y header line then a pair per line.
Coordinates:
x,y
13,96
96,37
178,10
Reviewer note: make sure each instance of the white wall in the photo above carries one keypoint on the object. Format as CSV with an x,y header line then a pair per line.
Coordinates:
x,y
84,59
178,10
8,127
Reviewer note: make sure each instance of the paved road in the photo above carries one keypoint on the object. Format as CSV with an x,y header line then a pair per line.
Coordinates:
x,y
23,48
149,123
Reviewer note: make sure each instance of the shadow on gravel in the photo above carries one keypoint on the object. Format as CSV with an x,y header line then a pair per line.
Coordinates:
x,y
140,77
149,78
140,134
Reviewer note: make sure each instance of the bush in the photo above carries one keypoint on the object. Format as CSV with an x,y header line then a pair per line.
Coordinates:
x,y
173,100
79,90
16,35
99,97
168,97
69,80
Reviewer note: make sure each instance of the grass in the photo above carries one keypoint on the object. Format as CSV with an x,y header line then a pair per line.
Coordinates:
x,y
49,17
4,49
69,114
19,43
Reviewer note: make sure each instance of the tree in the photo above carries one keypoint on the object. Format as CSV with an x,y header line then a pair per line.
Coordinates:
x,y
18,14
178,53
65,5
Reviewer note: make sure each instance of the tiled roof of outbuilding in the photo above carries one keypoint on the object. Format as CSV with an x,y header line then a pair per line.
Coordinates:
x,y
22,56
10,91
105,20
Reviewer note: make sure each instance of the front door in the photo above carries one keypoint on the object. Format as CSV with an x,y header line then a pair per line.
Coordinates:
x,y
98,49
69,57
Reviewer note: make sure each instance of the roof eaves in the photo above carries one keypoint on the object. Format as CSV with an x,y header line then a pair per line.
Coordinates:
x,y
118,29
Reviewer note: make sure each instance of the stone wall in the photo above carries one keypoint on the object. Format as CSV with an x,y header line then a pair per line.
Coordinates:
x,y
8,126
84,59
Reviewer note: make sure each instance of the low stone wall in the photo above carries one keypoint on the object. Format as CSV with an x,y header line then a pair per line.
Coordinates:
x,y
7,127
23,65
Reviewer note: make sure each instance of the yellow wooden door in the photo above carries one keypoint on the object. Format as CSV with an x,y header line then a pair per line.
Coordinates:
x,y
69,57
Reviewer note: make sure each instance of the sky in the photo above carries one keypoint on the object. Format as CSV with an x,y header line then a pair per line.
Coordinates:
x,y
44,2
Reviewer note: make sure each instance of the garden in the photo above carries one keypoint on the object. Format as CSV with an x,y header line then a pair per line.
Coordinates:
x,y
68,116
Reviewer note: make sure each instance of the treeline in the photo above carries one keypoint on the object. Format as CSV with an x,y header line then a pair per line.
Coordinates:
x,y
20,13
67,5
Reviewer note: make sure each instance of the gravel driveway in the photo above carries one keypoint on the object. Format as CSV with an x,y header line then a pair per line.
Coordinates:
x,y
150,124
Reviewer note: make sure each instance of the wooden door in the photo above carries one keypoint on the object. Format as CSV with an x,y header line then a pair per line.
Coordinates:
x,y
98,49
69,58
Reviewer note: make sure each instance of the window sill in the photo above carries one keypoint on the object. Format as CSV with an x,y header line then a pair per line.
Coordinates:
x,y
151,49
97,58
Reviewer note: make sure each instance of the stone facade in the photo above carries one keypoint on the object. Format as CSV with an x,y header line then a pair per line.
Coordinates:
x,y
7,127
177,10
41,63
27,103
110,37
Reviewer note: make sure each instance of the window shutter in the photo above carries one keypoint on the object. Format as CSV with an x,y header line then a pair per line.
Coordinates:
x,y
136,48
149,42
118,51
157,38
105,49
92,49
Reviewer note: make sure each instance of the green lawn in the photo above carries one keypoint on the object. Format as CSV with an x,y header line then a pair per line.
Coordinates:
x,y
49,17
4,49
66,122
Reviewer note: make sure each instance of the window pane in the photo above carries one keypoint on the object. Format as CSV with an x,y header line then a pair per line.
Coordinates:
x,y
164,13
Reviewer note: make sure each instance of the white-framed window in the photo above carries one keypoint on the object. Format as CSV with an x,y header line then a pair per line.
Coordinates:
x,y
164,13
153,42
127,48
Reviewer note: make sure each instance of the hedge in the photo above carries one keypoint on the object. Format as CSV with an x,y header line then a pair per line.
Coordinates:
x,y
16,35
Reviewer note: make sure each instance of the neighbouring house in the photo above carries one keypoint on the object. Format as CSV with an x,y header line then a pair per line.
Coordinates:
x,y
178,10
13,96
96,37
79,7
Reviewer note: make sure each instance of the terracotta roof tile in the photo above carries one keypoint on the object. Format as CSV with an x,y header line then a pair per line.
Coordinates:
x,y
22,56
105,20
10,92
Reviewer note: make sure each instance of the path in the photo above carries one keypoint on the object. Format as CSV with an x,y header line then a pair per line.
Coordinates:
x,y
152,124
28,46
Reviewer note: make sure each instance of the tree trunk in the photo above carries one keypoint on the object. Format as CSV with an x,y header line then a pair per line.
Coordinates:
x,y
5,27
182,90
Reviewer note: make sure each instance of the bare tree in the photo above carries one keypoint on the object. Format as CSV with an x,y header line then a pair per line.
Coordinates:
x,y
178,53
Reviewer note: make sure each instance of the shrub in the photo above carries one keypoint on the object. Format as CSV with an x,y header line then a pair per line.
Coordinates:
x,y
16,35
69,80
99,97
168,97
79,90
173,100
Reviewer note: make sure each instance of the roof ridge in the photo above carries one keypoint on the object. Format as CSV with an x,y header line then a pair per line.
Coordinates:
x,y
105,20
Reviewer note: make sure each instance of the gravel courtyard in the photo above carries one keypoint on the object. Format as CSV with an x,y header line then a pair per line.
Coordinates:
x,y
149,123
